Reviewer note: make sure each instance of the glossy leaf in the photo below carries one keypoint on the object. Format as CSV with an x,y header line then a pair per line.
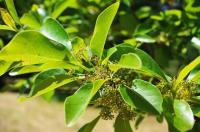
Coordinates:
x,y
168,112
62,5
76,104
48,81
30,20
184,119
4,66
122,125
149,93
22,48
89,126
186,70
102,27
129,61
11,7
46,78
145,39
149,66
125,93
54,31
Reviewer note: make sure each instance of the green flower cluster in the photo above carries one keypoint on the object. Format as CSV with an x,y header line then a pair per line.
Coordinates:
x,y
111,103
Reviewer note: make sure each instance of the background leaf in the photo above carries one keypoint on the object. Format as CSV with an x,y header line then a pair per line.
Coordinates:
x,y
62,5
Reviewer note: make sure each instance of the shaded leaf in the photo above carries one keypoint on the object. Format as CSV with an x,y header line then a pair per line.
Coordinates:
x,y
122,125
89,126
125,93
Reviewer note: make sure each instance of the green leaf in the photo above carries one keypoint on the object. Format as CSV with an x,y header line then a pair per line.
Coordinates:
x,y
46,78
149,93
62,5
42,67
48,96
125,93
4,66
5,27
186,70
184,119
31,47
102,27
48,81
138,120
109,53
129,61
196,110
122,125
8,20
30,20
194,75
53,30
89,126
168,112
76,104
11,7
143,38
149,66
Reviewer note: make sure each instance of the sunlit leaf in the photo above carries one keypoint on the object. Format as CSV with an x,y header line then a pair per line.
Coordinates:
x,y
11,7
8,20
22,48
53,30
184,119
76,104
186,70
102,27
62,5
